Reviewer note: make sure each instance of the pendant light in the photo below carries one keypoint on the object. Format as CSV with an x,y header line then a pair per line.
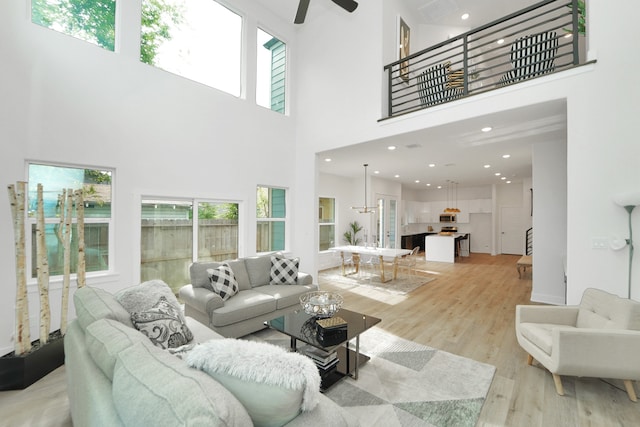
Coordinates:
x,y
365,208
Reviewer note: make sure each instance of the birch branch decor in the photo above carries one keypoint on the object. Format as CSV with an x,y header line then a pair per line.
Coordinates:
x,y
67,196
18,201
42,270
82,265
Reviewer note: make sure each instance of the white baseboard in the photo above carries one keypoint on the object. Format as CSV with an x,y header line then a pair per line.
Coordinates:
x,y
548,299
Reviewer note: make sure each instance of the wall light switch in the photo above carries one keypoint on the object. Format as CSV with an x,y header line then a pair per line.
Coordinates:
x,y
599,242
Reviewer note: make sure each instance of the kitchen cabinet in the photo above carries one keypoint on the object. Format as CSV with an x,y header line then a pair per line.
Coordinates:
x,y
462,217
412,240
480,206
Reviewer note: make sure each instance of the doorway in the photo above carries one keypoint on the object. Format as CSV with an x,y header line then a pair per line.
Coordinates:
x,y
511,234
386,221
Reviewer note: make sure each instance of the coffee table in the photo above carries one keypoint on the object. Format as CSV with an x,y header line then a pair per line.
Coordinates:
x,y
300,326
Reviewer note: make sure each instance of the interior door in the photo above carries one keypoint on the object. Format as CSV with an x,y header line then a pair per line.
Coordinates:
x,y
511,234
386,221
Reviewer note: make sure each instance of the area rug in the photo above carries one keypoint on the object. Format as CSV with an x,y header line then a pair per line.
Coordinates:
x,y
402,285
408,384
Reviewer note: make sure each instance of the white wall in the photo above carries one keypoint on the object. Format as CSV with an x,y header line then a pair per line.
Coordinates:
x,y
550,215
65,100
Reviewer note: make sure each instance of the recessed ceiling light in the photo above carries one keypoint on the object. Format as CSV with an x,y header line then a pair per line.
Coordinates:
x,y
497,174
500,41
428,185
432,165
506,156
487,166
396,176
417,181
465,16
503,177
508,182
486,129
391,147
376,172
327,160
439,187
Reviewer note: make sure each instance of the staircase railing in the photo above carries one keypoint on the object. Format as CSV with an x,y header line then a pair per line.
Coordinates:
x,y
529,242
486,58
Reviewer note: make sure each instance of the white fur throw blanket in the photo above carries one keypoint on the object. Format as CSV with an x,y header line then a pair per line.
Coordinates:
x,y
259,362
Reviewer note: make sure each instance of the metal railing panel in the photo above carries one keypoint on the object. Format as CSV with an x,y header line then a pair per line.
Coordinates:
x,y
536,41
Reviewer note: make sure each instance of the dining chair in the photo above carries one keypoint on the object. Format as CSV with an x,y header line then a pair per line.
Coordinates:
x,y
410,261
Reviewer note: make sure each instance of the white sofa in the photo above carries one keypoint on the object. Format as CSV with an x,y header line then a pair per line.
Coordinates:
x,y
599,338
117,377
255,303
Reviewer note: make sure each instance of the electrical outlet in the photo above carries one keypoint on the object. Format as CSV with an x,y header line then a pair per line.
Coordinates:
x,y
599,242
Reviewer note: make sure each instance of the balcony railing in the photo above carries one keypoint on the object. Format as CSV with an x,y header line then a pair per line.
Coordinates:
x,y
529,43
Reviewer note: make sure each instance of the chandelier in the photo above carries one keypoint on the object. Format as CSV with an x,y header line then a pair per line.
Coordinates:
x,y
454,208
365,208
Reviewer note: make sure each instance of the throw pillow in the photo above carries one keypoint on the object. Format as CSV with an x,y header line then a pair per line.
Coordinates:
x,y
223,281
163,324
273,385
284,271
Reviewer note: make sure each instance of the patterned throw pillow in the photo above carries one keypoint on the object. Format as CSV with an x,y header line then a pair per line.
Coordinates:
x,y
163,324
223,281
284,271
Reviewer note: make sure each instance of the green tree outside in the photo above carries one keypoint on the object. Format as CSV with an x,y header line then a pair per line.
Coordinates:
x,y
95,21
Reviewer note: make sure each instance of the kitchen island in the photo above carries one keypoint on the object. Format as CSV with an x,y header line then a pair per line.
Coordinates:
x,y
443,247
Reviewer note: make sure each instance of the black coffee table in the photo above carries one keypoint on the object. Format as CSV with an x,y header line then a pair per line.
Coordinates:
x,y
302,327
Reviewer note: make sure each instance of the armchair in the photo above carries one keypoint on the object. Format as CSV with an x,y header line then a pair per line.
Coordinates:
x,y
531,56
599,338
439,84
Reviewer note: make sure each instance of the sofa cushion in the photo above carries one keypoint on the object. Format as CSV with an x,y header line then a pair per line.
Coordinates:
x,y
250,369
243,306
105,338
145,296
602,310
286,295
94,303
153,388
540,334
240,271
199,275
163,324
223,281
284,271
259,269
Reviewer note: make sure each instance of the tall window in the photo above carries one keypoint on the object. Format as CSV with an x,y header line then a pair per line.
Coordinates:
x,y
197,39
327,222
172,237
96,187
93,21
271,216
271,72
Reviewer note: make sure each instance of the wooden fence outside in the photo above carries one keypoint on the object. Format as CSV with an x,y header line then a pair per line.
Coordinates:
x,y
167,247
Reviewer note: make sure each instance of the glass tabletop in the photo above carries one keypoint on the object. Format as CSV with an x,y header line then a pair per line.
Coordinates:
x,y
303,327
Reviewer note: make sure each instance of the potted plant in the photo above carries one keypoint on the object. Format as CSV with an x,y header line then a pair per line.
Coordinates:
x,y
351,235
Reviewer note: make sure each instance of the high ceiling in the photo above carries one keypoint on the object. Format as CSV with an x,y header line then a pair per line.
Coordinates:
x,y
459,150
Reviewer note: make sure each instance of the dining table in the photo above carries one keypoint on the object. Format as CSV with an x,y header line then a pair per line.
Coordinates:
x,y
388,256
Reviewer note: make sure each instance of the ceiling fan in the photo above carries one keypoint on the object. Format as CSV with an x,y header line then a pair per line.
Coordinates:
x,y
348,5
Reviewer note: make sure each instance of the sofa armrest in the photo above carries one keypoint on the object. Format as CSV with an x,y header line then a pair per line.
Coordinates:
x,y
546,314
606,353
201,299
305,278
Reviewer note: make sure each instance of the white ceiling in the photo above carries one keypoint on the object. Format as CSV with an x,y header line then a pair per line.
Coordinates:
x,y
459,150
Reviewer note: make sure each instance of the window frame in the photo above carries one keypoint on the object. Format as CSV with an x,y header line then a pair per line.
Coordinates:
x,y
30,224
284,219
264,29
325,224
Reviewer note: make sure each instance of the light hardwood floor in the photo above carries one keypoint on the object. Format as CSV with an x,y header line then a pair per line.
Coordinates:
x,y
468,310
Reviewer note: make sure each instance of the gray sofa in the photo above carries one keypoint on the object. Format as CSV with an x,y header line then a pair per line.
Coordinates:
x,y
256,302
117,377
